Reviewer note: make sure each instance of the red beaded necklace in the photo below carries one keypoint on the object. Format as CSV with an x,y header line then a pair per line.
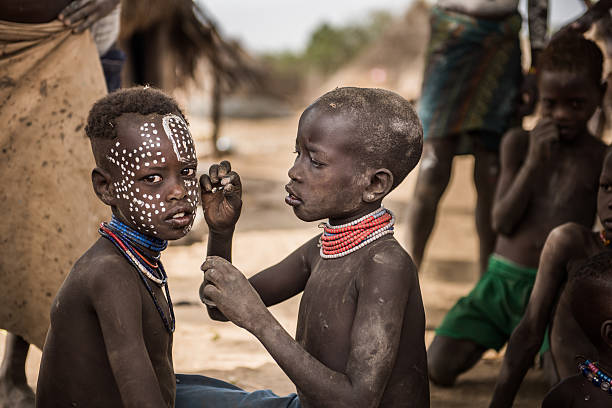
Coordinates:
x,y
341,240
602,235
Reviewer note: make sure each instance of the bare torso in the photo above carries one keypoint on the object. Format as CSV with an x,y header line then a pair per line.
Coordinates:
x,y
326,315
567,339
31,11
565,191
75,368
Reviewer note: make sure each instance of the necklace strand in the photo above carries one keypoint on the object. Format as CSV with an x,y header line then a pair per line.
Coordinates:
x,y
596,375
145,274
340,240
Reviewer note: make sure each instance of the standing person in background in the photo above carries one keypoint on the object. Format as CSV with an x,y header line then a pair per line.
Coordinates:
x,y
51,74
470,97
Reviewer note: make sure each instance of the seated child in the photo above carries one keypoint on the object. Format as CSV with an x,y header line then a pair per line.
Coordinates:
x,y
361,324
548,177
589,292
565,250
110,339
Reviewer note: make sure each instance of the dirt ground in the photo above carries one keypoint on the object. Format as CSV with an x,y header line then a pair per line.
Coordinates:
x,y
268,230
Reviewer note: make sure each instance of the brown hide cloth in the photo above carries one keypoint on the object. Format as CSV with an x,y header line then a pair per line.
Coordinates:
x,y
49,79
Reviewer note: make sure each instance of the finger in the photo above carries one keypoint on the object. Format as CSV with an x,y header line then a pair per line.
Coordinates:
x,y
208,263
87,13
212,275
205,184
213,173
209,294
71,8
231,178
224,168
89,21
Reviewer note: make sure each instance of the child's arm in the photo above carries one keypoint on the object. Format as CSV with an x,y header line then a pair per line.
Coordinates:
x,y
375,334
527,337
221,211
221,207
518,173
118,308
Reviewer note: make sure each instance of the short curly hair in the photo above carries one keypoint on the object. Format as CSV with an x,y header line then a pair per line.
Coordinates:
x,y
572,52
389,132
101,122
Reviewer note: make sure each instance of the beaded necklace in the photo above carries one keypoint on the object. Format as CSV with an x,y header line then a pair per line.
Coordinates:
x,y
147,269
596,375
135,237
602,235
340,240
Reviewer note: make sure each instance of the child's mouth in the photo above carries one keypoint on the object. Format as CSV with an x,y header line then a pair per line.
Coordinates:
x,y
180,219
291,198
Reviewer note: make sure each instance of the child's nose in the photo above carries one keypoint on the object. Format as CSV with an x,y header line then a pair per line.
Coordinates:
x,y
293,172
562,113
177,192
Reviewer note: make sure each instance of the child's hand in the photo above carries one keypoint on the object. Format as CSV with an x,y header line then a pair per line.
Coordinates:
x,y
85,13
221,196
227,289
543,141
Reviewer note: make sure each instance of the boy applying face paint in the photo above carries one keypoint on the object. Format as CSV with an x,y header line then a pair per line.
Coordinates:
x,y
549,177
110,339
361,324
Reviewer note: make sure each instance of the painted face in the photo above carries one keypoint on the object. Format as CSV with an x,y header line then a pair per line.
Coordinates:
x,y
604,196
570,99
153,165
326,180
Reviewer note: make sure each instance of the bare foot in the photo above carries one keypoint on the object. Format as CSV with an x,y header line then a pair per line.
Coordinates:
x,y
16,396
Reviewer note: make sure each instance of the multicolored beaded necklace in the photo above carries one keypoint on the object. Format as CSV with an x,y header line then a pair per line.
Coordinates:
x,y
341,240
602,235
595,375
124,238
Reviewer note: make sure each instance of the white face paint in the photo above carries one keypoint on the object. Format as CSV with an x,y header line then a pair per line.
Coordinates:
x,y
153,154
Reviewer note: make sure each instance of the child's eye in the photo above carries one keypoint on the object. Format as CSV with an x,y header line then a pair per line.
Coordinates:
x,y
316,163
153,178
605,187
189,172
577,104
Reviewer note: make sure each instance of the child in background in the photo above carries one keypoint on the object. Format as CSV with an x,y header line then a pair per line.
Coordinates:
x,y
590,291
549,177
110,339
565,251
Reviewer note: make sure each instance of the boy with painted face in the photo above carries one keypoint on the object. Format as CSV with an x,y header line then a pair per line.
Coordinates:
x,y
360,330
588,293
110,339
548,178
566,249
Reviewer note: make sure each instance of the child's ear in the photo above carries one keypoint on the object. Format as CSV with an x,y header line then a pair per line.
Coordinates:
x,y
102,185
381,182
606,332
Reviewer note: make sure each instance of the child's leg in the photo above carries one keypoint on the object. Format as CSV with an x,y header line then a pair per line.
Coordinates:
x,y
195,391
434,174
486,172
14,389
448,357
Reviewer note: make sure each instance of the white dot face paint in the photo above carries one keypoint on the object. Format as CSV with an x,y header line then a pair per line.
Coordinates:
x,y
150,170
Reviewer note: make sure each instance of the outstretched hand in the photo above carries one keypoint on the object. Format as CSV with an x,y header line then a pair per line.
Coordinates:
x,y
221,191
227,289
81,14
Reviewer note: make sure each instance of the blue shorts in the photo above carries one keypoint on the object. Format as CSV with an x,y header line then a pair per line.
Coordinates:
x,y
198,391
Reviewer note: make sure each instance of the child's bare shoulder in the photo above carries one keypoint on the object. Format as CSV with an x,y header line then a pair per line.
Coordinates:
x,y
102,269
515,143
569,235
387,255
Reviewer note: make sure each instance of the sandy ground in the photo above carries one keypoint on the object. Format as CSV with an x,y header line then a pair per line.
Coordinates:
x,y
268,230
